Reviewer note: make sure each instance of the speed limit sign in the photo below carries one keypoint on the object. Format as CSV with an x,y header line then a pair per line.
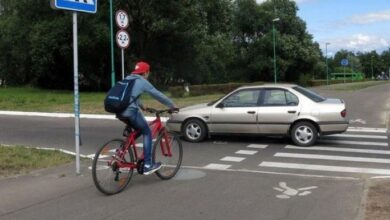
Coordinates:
x,y
122,39
122,19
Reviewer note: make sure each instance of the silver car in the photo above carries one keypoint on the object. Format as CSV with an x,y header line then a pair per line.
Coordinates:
x,y
274,109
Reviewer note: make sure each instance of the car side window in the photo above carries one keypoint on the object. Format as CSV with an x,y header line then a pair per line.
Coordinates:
x,y
279,97
244,98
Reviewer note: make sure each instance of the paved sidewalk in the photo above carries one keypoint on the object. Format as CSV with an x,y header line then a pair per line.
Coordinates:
x,y
39,186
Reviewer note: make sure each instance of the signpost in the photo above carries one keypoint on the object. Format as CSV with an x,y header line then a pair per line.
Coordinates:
x,y
344,62
122,37
88,6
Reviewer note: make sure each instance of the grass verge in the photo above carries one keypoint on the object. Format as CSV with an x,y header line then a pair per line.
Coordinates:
x,y
38,100
356,86
21,160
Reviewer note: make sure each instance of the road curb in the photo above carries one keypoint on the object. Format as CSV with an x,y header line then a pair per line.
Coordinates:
x,y
69,115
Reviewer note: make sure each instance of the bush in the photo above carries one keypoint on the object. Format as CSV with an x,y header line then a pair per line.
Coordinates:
x,y
199,90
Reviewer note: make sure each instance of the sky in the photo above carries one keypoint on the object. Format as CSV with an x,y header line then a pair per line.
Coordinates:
x,y
355,25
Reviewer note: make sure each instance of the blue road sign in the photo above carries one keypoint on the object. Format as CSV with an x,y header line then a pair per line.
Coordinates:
x,y
88,6
344,62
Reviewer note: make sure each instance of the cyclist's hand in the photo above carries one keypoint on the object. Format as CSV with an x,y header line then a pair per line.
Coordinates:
x,y
175,109
150,110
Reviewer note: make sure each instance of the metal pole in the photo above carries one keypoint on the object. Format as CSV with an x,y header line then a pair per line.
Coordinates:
x,y
273,33
123,64
344,73
326,61
112,46
76,92
372,70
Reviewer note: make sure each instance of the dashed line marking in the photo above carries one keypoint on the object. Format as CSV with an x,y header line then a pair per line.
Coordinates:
x,y
257,146
358,136
325,168
365,129
339,149
355,142
216,166
247,152
331,157
233,159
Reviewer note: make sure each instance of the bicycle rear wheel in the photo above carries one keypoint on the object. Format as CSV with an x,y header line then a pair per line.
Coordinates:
x,y
170,163
108,177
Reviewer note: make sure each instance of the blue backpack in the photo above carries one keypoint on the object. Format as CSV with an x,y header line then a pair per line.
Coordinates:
x,y
118,97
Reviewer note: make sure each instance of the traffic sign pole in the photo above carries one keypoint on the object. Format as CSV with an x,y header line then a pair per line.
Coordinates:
x,y
76,92
75,6
123,64
122,37
112,46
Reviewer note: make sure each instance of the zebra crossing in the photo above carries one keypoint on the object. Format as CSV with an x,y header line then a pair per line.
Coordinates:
x,y
357,151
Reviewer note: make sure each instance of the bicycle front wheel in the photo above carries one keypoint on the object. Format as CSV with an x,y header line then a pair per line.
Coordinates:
x,y
169,151
108,177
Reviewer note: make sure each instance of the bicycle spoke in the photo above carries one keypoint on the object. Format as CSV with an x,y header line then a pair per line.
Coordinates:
x,y
108,176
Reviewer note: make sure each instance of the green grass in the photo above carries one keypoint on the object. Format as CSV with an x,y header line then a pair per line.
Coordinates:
x,y
21,160
32,99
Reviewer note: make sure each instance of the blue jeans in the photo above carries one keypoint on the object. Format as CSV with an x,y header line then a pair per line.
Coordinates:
x,y
138,121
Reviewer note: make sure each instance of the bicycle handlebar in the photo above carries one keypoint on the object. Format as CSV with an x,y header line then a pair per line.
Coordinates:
x,y
158,112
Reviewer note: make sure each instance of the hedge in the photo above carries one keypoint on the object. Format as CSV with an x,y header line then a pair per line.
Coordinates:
x,y
198,90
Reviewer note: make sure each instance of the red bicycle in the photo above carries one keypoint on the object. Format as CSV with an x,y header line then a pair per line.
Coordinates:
x,y
115,161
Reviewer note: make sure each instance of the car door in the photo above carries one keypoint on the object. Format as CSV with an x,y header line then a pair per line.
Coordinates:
x,y
278,109
237,113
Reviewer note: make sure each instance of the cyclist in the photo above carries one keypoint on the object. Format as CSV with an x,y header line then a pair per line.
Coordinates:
x,y
141,73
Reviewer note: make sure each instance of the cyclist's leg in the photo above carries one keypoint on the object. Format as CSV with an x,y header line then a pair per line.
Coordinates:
x,y
138,121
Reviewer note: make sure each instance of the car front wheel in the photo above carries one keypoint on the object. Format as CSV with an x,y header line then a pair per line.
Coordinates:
x,y
194,130
304,134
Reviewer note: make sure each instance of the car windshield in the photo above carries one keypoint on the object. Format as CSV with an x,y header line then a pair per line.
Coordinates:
x,y
310,94
213,102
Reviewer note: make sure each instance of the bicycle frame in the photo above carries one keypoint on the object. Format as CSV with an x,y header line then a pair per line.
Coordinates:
x,y
130,144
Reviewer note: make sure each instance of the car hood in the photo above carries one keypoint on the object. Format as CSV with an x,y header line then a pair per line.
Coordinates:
x,y
194,107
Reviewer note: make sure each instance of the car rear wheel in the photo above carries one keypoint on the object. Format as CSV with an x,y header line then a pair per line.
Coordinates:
x,y
194,130
304,134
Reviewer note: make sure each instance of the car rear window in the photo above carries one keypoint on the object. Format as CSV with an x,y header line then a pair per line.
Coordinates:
x,y
310,94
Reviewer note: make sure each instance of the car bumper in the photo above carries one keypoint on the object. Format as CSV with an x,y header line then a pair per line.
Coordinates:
x,y
174,126
333,128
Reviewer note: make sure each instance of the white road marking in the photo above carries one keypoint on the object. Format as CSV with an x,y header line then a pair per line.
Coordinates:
x,y
331,157
216,166
70,115
339,149
355,142
257,146
364,129
247,152
274,173
325,168
233,159
357,136
288,192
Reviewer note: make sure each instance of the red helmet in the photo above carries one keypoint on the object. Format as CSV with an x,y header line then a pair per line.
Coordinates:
x,y
141,68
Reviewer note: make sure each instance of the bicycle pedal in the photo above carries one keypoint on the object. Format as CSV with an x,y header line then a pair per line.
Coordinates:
x,y
140,166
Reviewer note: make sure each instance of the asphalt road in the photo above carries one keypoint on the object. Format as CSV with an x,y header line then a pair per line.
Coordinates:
x,y
222,178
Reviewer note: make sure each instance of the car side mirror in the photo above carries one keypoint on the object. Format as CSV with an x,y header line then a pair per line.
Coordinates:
x,y
220,105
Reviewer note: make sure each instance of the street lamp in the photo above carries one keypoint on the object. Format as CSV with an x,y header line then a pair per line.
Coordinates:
x,y
273,35
326,61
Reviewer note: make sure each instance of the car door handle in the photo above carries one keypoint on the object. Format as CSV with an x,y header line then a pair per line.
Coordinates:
x,y
251,112
292,112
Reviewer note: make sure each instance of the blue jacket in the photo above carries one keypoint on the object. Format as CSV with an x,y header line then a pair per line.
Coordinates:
x,y
140,86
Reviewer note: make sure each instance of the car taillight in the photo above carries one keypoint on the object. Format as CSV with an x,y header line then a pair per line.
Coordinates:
x,y
343,113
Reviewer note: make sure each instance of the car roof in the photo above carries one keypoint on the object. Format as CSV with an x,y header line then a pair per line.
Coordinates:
x,y
269,85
